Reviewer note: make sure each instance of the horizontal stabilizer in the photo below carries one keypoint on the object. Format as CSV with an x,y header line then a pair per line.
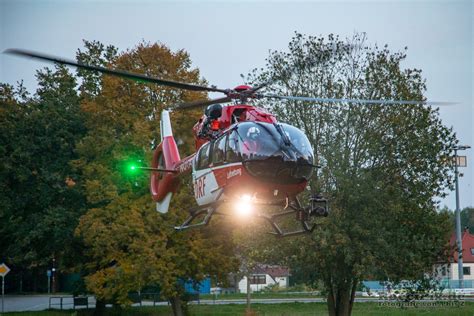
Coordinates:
x,y
164,204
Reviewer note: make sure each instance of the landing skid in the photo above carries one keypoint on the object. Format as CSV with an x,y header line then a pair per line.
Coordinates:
x,y
292,206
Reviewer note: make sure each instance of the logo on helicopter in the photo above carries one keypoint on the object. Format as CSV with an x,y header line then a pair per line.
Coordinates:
x,y
186,165
233,173
199,187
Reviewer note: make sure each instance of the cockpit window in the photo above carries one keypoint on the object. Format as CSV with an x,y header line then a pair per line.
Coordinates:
x,y
256,141
232,148
203,158
259,141
218,154
299,140
278,153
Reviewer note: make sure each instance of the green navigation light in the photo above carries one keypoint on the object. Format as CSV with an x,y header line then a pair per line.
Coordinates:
x,y
132,168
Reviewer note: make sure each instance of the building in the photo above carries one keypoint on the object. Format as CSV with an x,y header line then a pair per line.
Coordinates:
x,y
265,275
448,272
203,287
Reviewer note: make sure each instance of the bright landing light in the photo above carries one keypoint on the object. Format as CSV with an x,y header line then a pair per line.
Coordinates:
x,y
243,205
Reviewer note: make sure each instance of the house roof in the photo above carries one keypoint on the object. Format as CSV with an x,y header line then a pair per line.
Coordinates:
x,y
467,247
273,270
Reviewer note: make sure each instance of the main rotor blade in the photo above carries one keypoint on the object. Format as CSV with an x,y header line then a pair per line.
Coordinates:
x,y
199,103
360,101
119,73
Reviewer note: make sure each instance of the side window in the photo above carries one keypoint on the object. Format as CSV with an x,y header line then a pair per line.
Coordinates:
x,y
218,154
203,159
232,151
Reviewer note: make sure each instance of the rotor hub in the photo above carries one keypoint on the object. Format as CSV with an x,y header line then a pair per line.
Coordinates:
x,y
242,88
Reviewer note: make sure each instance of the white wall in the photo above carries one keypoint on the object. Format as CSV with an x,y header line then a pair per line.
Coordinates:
x,y
282,282
454,271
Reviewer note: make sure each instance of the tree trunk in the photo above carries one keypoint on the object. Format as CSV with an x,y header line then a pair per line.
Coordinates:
x,y
248,292
177,306
35,280
99,307
340,298
21,282
331,301
353,292
344,301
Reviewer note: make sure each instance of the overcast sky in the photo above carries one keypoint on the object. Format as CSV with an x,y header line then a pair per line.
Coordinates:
x,y
228,38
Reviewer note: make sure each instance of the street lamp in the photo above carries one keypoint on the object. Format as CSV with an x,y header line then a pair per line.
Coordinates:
x,y
458,213
53,270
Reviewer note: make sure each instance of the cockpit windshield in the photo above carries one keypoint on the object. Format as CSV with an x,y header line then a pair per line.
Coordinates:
x,y
259,141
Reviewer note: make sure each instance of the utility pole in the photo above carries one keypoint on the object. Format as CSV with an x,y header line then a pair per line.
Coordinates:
x,y
458,214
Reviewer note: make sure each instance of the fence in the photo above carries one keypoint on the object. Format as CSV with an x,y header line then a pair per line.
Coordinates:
x,y
67,302
380,286
455,284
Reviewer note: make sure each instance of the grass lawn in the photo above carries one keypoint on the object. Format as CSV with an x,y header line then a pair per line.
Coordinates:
x,y
289,309
256,296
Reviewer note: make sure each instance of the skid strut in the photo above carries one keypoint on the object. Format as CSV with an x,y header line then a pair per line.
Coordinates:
x,y
209,211
302,216
317,207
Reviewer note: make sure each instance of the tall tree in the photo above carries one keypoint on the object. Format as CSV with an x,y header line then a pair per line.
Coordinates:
x,y
467,219
382,165
129,245
39,200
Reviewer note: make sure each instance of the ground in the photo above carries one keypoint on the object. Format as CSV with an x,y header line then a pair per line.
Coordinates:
x,y
315,309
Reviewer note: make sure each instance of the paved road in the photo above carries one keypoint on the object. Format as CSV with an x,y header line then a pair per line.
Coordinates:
x,y
19,303
41,302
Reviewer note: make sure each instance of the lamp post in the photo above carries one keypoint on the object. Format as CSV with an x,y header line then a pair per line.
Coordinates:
x,y
53,274
458,213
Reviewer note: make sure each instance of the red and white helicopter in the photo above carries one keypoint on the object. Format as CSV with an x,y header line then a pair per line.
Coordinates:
x,y
243,154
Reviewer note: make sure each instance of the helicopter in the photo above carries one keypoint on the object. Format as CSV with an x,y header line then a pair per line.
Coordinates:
x,y
244,156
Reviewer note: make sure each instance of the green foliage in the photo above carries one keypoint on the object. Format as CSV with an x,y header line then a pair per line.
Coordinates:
x,y
65,152
128,244
382,166
467,219
40,200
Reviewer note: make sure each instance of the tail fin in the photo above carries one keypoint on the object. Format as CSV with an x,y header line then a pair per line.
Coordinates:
x,y
166,155
165,125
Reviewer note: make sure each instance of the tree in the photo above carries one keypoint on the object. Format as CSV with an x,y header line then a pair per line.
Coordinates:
x,y
382,165
467,219
128,244
39,200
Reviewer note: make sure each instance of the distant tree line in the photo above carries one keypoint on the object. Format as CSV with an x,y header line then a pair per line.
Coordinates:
x,y
467,218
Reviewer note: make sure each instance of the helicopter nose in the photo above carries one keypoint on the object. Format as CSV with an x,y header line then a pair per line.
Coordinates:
x,y
279,170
